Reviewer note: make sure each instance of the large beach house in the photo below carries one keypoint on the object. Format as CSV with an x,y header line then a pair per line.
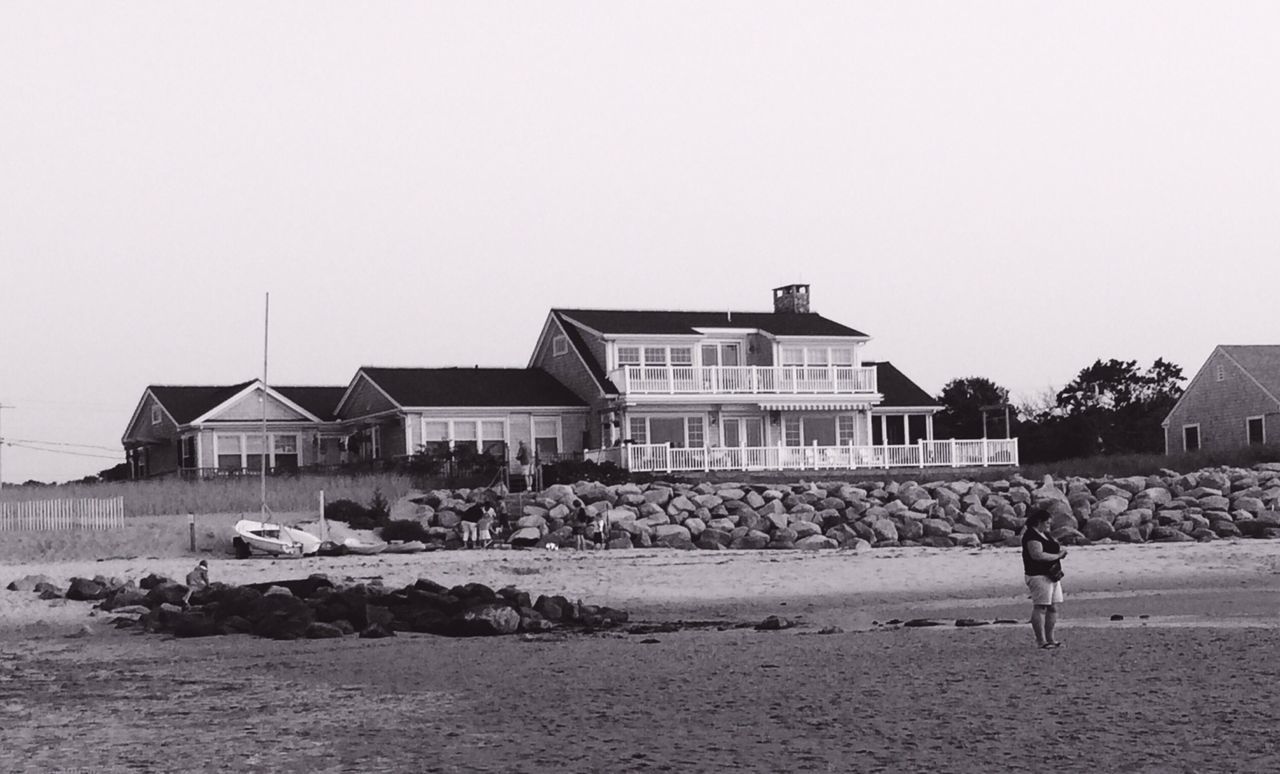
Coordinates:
x,y
657,391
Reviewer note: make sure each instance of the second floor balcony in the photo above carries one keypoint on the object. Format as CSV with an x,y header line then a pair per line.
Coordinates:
x,y
746,380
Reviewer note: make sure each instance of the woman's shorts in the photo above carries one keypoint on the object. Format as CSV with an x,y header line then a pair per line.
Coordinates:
x,y
1044,591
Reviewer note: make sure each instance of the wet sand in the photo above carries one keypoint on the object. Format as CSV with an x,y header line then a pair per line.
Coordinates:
x,y
1189,688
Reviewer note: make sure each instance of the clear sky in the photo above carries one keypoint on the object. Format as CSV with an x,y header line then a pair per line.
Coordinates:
x,y
1004,189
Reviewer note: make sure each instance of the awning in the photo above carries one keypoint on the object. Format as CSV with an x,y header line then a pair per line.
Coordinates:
x,y
798,406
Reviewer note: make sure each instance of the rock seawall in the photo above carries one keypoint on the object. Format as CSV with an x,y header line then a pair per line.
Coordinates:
x,y
1203,505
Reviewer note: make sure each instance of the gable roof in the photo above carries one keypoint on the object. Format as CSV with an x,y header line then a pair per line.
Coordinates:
x,y
321,401
676,323
897,389
186,403
411,387
594,367
1260,361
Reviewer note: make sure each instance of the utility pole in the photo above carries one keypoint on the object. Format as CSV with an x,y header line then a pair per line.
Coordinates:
x,y
2,408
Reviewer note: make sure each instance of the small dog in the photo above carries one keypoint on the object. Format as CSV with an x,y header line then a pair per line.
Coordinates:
x,y
552,547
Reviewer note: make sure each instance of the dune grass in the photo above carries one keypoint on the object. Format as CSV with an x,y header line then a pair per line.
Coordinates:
x,y
228,495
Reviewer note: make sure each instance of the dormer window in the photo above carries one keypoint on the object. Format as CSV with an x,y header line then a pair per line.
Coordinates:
x,y
560,346
628,356
155,415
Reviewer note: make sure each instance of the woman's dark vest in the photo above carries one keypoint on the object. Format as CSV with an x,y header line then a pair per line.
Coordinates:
x,y
1033,567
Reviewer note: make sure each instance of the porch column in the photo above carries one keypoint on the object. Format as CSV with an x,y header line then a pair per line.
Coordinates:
x,y
928,427
408,437
906,429
884,429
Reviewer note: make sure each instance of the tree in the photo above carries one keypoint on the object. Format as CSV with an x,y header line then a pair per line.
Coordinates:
x,y
1110,407
962,402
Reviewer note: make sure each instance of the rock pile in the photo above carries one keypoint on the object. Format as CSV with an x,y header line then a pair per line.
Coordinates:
x,y
1203,505
317,607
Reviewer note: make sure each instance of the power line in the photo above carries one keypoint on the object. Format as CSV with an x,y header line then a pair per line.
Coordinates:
x,y
59,451
60,443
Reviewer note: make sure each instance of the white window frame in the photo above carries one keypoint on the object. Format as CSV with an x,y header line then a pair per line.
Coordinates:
x,y
1262,420
648,429
1220,373
155,415
560,345
638,355
1199,437
478,422
533,430
830,350
270,451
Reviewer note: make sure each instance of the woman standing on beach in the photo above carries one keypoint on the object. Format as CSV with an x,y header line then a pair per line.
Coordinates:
x,y
1042,563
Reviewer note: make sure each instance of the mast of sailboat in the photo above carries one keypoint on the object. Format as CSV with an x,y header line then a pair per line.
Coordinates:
x,y
266,326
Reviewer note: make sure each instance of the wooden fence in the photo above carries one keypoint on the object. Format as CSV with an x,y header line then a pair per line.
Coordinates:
x,y
62,515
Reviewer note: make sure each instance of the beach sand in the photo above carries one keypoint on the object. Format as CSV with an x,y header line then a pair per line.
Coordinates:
x,y
1188,688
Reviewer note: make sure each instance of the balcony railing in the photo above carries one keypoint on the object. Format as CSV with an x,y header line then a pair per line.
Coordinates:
x,y
745,380
982,452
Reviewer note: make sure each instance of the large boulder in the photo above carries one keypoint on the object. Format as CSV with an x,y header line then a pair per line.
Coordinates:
x,y
84,589
280,617
28,582
1098,528
752,540
815,543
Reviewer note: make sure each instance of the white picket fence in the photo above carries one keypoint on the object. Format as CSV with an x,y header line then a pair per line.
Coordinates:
x,y
62,515
981,452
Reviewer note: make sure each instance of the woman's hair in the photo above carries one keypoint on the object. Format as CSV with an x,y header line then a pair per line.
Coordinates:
x,y
1037,514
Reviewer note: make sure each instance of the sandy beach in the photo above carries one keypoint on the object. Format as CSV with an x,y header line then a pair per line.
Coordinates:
x,y
1182,683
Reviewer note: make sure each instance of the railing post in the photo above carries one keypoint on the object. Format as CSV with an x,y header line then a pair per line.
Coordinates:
x,y
953,453
985,454
920,445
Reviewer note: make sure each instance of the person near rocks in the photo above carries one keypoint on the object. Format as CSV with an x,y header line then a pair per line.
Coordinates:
x,y
484,527
1042,564
197,579
470,525
601,529
581,526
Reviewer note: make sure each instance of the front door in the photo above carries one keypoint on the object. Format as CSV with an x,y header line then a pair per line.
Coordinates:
x,y
743,431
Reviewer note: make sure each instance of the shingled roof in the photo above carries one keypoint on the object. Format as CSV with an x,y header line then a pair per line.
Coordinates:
x,y
897,389
185,403
412,387
1261,361
637,322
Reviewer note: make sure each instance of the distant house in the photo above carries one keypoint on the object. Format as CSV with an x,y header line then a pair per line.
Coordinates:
x,y
395,412
696,390
208,430
1233,401
649,390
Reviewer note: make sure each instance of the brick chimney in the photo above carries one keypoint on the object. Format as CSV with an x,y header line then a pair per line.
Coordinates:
x,y
791,299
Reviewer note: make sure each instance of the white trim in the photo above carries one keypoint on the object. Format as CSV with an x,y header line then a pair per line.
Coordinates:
x,y
267,391
1199,439
360,373
491,408
1261,418
533,430
559,345
576,322
477,420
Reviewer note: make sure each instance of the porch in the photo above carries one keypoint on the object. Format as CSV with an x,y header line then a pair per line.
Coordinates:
x,y
954,453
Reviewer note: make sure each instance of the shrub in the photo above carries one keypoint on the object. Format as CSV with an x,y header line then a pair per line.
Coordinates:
x,y
404,529
354,514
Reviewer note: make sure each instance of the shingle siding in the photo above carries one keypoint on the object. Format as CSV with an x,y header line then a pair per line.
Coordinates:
x,y
572,373
1220,408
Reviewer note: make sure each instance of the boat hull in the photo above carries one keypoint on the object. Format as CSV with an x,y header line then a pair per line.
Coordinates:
x,y
276,539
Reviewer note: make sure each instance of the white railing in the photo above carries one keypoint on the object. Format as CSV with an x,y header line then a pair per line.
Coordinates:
x,y
745,380
663,457
62,515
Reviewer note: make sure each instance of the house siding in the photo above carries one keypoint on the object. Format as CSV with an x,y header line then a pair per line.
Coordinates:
x,y
365,399
249,408
568,369
1220,408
